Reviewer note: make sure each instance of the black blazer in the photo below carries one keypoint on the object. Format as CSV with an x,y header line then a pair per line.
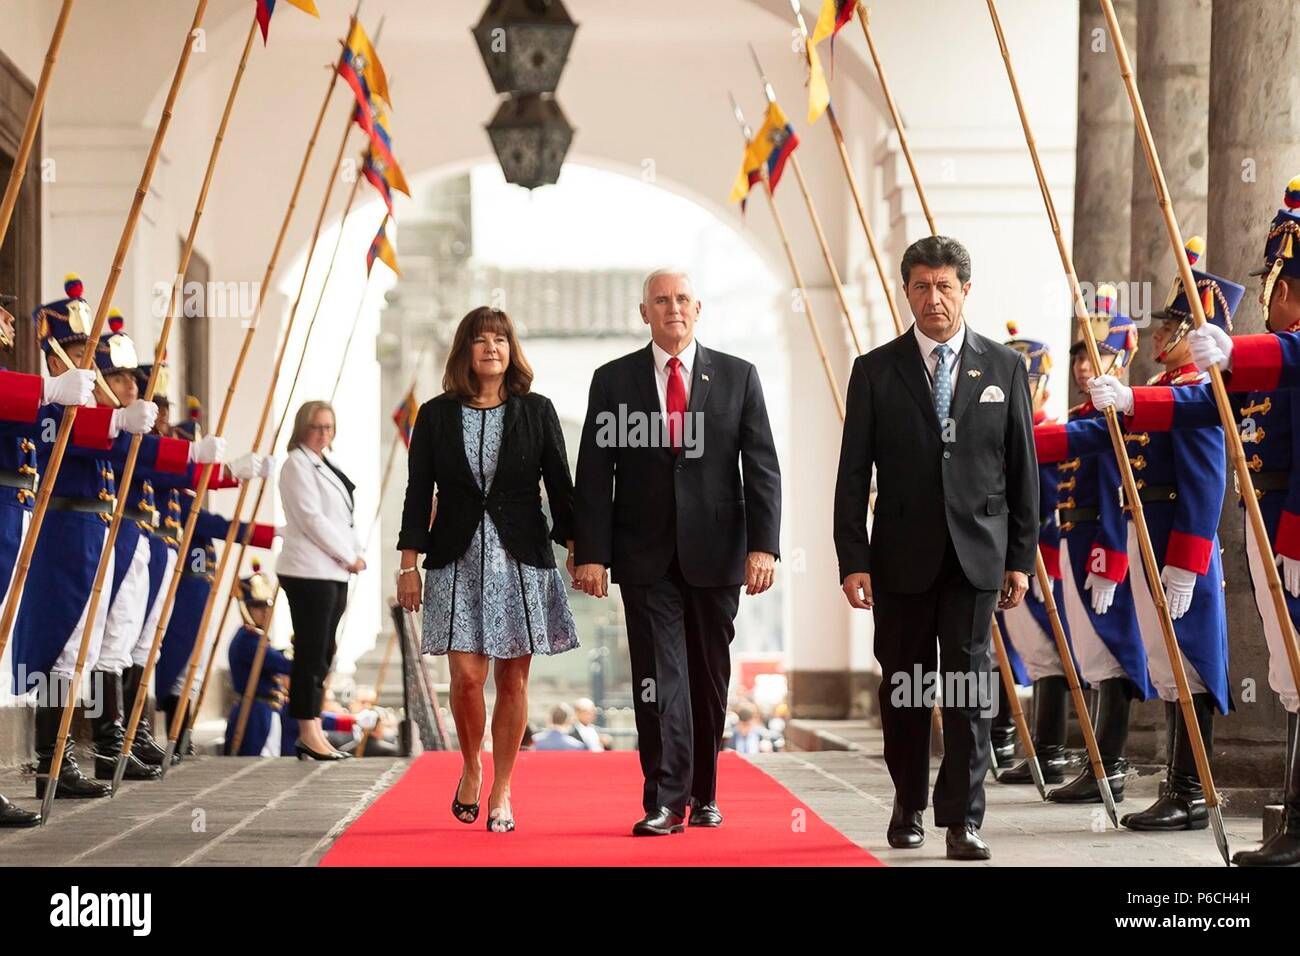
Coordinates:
x,y
979,487
532,445
637,505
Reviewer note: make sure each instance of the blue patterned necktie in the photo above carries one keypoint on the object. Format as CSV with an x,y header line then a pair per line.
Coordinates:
x,y
942,381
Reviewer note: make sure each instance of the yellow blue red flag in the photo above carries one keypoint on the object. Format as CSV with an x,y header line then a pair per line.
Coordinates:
x,y
267,7
404,416
360,67
771,147
382,249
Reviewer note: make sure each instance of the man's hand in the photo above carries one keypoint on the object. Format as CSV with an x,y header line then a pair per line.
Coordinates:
x,y
73,387
760,569
135,419
592,579
1180,584
1210,346
1106,391
208,450
1103,592
1290,573
857,589
1014,586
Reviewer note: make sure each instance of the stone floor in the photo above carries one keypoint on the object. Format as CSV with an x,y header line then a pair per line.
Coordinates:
x,y
251,811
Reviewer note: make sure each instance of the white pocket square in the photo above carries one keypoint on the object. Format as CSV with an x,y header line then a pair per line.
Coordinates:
x,y
992,394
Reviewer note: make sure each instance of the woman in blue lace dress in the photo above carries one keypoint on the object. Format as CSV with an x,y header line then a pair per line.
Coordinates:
x,y
492,592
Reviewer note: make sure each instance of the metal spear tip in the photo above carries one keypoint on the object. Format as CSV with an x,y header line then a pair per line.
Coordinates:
x,y
794,5
1036,771
1108,798
119,771
167,756
1220,834
47,804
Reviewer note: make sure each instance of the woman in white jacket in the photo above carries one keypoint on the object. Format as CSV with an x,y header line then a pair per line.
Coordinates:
x,y
320,553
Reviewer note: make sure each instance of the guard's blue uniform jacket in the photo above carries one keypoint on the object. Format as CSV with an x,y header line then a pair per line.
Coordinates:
x,y
1180,479
67,552
268,698
20,414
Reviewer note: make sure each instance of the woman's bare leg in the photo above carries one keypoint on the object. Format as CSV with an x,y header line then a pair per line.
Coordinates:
x,y
509,719
468,675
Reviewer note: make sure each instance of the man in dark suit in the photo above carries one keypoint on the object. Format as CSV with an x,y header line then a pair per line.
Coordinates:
x,y
944,415
678,493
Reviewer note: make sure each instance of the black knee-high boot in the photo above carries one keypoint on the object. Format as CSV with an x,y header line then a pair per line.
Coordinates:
x,y
109,733
1181,805
145,748
1283,847
1114,701
1050,695
49,712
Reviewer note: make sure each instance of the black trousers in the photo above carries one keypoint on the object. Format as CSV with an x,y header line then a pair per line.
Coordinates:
x,y
316,607
906,627
679,640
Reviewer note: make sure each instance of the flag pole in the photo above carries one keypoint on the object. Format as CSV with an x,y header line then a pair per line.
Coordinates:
x,y
852,178
347,346
28,141
770,93
1017,711
69,416
748,135
1131,496
264,637
187,533
864,16
261,491
160,350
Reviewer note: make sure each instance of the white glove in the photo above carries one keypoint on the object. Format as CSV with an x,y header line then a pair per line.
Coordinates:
x,y
1211,346
368,719
1179,585
247,466
1103,592
208,450
268,466
73,387
1107,391
1290,574
136,418
1036,589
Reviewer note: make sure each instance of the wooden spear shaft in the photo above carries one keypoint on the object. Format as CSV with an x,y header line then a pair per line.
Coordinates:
x,y
1230,429
69,416
864,16
178,722
1137,514
128,469
347,346
261,491
1013,699
187,533
28,141
826,253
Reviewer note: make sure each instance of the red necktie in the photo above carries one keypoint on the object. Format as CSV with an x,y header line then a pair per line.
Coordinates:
x,y
676,403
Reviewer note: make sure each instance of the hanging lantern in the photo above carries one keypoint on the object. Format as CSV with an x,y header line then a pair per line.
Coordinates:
x,y
525,44
531,137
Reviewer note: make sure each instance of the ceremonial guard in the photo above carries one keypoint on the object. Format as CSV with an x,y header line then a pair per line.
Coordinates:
x,y
1180,481
264,731
1031,646
47,633
1094,557
197,576
24,401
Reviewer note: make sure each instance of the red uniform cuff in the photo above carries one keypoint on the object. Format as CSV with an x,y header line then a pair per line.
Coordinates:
x,y
1051,443
221,477
1153,409
1051,559
173,456
1256,363
1111,565
20,396
343,722
90,430
263,536
1287,541
1189,552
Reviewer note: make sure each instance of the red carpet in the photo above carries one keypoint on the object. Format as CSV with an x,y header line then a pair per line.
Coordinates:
x,y
577,809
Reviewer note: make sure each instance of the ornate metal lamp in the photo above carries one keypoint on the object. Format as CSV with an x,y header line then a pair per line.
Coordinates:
x,y
531,137
525,44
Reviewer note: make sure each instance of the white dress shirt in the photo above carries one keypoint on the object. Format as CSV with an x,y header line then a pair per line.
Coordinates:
x,y
320,540
927,346
687,358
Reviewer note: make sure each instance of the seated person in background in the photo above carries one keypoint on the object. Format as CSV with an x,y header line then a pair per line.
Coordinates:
x,y
585,730
748,736
557,736
262,732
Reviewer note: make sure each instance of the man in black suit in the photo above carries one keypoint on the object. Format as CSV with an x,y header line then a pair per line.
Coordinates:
x,y
944,415
678,493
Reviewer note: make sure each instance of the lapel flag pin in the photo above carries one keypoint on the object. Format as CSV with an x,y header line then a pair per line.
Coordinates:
x,y
973,372
703,376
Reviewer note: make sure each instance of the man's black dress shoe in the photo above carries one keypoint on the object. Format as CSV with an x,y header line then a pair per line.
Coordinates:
x,y
964,843
705,814
659,823
12,816
906,832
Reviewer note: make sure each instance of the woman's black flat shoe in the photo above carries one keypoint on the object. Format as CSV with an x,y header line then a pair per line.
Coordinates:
x,y
306,753
461,810
498,822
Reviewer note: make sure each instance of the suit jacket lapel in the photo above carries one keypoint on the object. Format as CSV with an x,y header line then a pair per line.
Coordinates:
x,y
645,381
972,360
701,378
912,370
